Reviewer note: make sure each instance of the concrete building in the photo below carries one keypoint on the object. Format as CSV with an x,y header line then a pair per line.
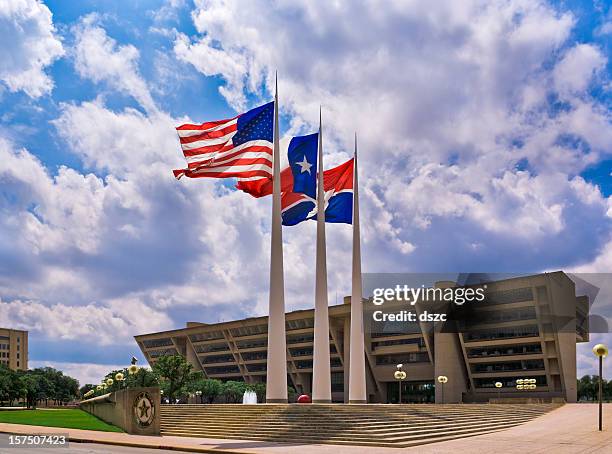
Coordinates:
x,y
14,348
526,328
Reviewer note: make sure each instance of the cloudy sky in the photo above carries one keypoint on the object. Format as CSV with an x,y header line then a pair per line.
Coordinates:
x,y
485,132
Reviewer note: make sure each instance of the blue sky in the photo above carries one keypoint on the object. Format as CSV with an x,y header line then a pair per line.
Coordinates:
x,y
485,133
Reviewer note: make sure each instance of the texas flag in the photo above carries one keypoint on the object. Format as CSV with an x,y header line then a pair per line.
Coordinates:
x,y
298,186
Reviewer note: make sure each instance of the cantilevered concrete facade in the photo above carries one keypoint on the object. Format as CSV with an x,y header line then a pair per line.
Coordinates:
x,y
517,335
14,348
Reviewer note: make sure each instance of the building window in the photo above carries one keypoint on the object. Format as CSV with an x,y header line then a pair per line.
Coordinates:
x,y
502,333
416,357
337,382
154,343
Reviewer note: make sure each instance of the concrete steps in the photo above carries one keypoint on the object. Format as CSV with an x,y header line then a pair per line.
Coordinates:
x,y
365,425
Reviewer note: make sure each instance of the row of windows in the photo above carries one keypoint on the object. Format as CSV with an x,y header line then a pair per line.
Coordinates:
x,y
167,351
154,343
222,370
509,296
300,324
509,366
504,350
207,348
416,357
308,351
256,367
217,359
502,333
300,338
256,343
249,330
206,336
253,356
415,340
524,313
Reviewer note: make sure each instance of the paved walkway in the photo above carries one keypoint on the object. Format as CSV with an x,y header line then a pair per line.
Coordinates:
x,y
569,429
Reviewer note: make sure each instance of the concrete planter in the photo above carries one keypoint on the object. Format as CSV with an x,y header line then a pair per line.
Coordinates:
x,y
135,410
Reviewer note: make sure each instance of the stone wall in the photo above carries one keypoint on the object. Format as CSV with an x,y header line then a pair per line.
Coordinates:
x,y
135,410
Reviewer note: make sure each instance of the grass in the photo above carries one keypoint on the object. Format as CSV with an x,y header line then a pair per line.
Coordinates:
x,y
68,418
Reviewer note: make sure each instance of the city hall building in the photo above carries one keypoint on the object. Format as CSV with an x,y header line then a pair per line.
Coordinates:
x,y
527,328
14,348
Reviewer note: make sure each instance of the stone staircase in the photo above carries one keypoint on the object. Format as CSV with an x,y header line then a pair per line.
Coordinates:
x,y
365,425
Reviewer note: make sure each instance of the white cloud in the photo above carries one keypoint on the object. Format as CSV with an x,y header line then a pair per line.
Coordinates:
x,y
91,323
422,85
100,58
84,372
577,68
29,46
127,140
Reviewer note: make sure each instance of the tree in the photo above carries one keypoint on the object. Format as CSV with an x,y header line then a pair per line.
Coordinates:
x,y
30,384
211,389
588,388
233,390
142,379
291,393
174,372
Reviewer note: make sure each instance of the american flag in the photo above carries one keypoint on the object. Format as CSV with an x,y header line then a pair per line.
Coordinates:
x,y
240,147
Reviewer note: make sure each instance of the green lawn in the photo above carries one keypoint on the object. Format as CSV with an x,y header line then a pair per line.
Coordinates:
x,y
69,418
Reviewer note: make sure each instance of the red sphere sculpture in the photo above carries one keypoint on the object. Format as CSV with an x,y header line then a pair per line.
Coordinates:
x,y
304,399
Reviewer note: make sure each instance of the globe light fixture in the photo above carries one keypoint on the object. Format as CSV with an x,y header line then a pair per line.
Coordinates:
x,y
400,375
600,351
442,379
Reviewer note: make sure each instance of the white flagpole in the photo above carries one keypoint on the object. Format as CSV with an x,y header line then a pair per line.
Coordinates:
x,y
357,380
321,375
276,379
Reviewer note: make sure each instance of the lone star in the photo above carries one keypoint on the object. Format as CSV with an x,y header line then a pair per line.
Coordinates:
x,y
144,409
304,166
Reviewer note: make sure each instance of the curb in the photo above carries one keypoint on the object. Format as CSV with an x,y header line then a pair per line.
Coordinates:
x,y
135,444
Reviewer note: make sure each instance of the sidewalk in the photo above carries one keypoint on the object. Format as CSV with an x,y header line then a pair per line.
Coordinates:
x,y
569,429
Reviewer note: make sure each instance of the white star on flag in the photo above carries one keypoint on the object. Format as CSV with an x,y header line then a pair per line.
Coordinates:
x,y
304,166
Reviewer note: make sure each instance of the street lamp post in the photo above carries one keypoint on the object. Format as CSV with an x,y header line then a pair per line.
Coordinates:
x,y
601,351
400,375
199,394
499,385
442,379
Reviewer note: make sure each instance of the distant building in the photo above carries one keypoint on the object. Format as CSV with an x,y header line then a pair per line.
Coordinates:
x,y
516,335
14,348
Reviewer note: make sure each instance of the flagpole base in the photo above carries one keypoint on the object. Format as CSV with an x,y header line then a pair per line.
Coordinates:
x,y
322,401
358,401
277,401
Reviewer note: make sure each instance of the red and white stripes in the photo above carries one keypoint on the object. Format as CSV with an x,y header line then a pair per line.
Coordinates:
x,y
210,152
